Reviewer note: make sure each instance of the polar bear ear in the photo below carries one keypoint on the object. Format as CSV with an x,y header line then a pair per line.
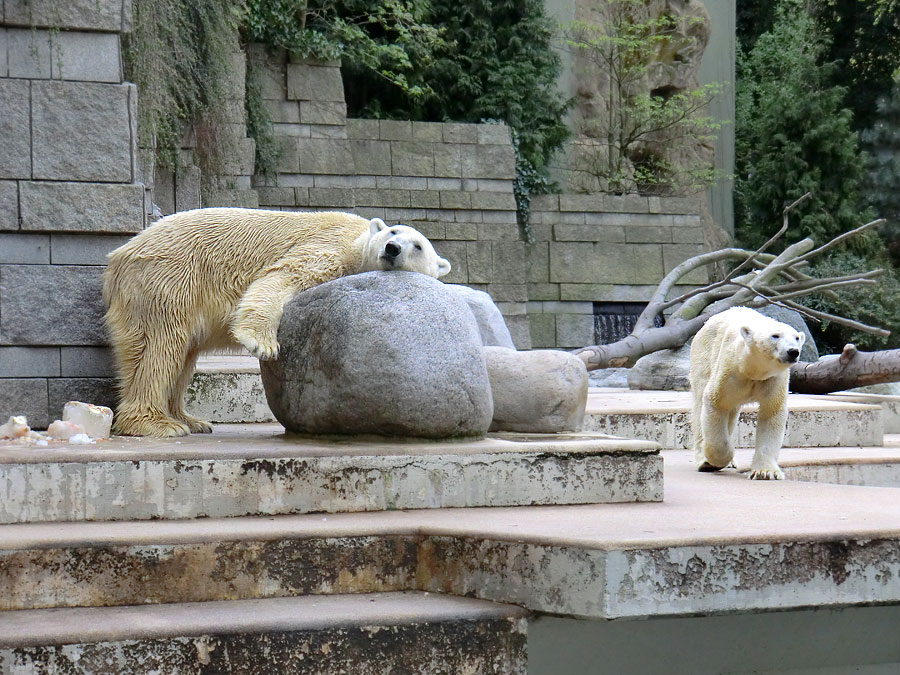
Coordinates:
x,y
802,338
444,267
376,225
747,334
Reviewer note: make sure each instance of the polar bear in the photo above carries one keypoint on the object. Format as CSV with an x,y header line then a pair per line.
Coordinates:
x,y
737,357
218,277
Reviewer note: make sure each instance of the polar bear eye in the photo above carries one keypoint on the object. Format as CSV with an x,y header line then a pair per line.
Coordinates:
x,y
776,336
418,247
393,231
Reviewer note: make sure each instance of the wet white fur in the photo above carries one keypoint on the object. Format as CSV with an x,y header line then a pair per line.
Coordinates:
x,y
740,356
215,278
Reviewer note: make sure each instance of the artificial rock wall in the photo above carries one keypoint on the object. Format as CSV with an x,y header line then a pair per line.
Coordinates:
x,y
70,191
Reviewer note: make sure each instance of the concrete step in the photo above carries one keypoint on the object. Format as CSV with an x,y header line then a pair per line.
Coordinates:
x,y
664,417
258,470
228,389
360,634
718,544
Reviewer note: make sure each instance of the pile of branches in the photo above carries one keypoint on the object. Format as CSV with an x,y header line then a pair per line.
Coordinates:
x,y
758,279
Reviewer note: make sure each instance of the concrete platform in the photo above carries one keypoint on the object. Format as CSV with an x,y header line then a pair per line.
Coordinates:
x,y
258,470
664,417
414,632
228,389
718,544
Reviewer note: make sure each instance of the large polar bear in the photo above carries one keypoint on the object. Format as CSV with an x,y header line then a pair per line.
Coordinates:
x,y
211,278
737,357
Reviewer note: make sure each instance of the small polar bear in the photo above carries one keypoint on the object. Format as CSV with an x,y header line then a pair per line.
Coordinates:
x,y
214,278
737,357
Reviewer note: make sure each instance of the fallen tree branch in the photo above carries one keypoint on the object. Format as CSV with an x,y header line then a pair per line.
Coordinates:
x,y
852,368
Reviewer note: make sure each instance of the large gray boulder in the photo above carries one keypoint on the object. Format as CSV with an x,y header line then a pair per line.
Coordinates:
x,y
388,353
541,391
667,370
491,324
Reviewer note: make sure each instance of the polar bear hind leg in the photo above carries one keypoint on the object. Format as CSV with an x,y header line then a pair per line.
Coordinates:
x,y
176,399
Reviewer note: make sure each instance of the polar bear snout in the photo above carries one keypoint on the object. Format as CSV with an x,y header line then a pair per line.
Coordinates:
x,y
792,355
391,250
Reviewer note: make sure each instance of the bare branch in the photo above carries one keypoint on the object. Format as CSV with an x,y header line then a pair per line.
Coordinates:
x,y
837,240
840,320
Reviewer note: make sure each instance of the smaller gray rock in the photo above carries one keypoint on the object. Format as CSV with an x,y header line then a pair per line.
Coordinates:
x,y
493,328
387,353
614,378
795,320
666,370
541,391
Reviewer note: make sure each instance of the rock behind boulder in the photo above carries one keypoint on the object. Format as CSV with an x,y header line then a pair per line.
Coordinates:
x,y
388,353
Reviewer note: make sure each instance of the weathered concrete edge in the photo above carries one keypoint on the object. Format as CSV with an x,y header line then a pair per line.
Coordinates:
x,y
674,580
80,625
229,488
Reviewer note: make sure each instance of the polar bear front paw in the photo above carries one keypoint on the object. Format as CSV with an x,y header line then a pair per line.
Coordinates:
x,y
772,472
262,347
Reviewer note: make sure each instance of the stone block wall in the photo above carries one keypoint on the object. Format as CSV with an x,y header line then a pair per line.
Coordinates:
x,y
69,193
595,249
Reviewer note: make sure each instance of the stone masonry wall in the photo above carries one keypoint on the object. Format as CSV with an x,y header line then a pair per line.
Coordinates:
x,y
69,193
592,249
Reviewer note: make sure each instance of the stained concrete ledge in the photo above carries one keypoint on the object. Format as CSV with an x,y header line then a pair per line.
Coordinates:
x,y
718,544
664,417
414,632
258,470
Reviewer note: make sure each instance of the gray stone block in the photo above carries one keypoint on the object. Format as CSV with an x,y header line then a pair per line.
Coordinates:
x,y
543,291
652,234
282,112
537,262
51,305
425,199
9,205
542,329
82,131
323,112
314,83
90,57
387,198
456,200
508,293
545,203
82,207
479,261
187,188
98,15
412,158
288,159
626,203
371,157
4,52
28,362
574,330
675,205
447,160
428,131
493,134
462,231
403,215
276,196
460,133
402,182
494,201
687,235
604,233
25,396
322,155
83,249
95,390
372,346
24,249
498,216
498,231
364,130
489,161
395,130
332,197
584,263
86,362
508,262
30,53
15,129
326,131
455,252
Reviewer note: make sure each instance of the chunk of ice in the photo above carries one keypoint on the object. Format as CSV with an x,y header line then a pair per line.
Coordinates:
x,y
60,430
81,439
15,427
94,419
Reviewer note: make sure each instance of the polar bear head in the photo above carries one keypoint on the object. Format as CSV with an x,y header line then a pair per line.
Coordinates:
x,y
773,339
400,247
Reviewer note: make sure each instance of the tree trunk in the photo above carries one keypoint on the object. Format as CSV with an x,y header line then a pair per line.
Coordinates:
x,y
852,368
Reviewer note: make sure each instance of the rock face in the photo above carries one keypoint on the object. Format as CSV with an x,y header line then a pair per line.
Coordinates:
x,y
667,369
388,353
541,391
491,325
